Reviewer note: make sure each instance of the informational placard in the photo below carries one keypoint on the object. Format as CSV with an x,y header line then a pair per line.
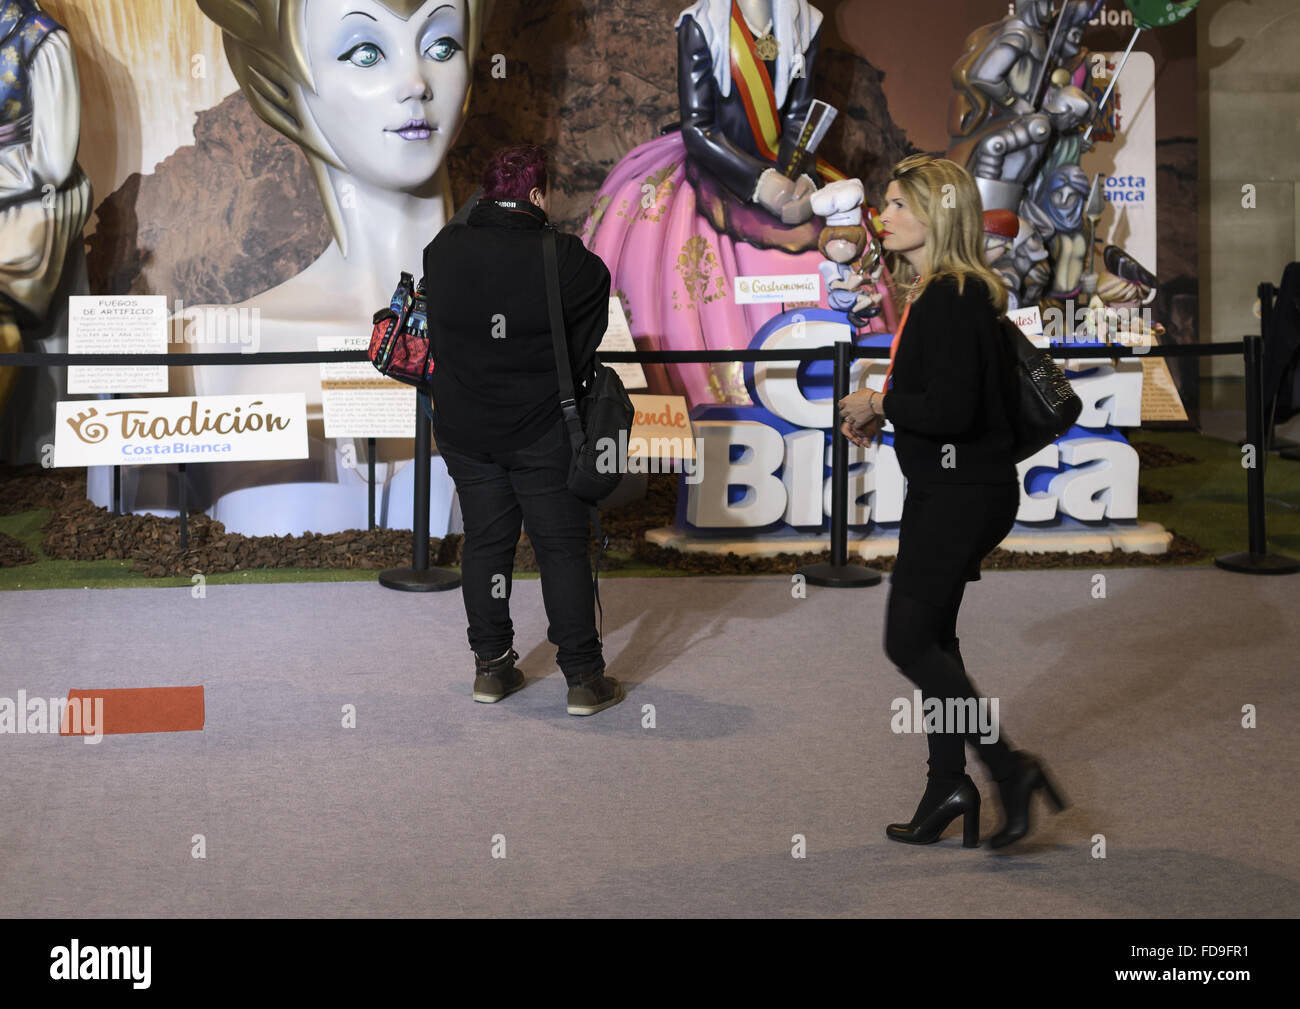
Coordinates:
x,y
1160,398
357,401
781,288
661,428
618,337
174,429
1129,161
117,324
1030,321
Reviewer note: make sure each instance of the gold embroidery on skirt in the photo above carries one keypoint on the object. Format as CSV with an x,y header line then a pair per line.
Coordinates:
x,y
699,266
727,383
621,295
662,184
595,215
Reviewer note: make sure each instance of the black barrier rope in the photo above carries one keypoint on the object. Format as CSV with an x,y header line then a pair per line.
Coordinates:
x,y
419,577
1059,350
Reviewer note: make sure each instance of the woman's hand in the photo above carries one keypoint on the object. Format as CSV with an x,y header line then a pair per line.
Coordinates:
x,y
863,436
859,407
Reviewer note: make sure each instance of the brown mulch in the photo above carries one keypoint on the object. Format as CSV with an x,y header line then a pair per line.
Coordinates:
x,y
14,552
79,530
26,488
1153,456
1181,551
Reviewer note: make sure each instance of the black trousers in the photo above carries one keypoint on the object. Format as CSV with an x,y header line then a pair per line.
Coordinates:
x,y
498,492
946,530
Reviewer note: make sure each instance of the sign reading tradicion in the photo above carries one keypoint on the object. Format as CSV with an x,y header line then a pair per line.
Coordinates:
x,y
134,432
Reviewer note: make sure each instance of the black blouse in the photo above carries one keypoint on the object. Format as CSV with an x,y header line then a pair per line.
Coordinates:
x,y
950,378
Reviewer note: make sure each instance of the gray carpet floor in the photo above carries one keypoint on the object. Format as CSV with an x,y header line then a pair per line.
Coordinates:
x,y
772,719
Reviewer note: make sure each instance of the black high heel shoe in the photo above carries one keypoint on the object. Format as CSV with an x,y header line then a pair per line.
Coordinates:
x,y
938,808
1016,792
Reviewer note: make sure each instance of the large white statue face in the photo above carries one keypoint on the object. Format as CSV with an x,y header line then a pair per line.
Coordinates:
x,y
390,94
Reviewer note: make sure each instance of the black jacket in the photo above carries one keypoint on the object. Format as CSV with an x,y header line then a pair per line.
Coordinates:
x,y
949,384
494,381
715,129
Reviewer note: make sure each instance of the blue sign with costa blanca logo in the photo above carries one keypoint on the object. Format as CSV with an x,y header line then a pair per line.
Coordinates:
x,y
765,469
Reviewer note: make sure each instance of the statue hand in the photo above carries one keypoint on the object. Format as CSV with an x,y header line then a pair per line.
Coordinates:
x,y
774,192
799,209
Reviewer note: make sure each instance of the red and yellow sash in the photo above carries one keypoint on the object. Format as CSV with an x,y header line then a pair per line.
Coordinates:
x,y
750,77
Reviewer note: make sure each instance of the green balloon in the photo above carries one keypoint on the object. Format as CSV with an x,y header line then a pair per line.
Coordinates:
x,y
1158,13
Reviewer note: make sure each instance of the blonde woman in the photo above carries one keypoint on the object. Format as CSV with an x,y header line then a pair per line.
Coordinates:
x,y
944,393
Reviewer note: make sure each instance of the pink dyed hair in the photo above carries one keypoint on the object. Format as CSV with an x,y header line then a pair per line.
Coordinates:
x,y
514,172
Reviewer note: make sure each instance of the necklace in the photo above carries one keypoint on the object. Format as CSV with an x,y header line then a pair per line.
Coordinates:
x,y
913,289
766,44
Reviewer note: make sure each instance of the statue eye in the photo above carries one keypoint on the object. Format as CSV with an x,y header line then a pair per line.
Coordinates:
x,y
444,49
366,54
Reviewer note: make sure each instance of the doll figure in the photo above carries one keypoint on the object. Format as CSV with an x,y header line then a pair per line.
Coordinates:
x,y
843,242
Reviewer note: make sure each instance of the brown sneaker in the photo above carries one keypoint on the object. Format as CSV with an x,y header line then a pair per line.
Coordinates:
x,y
497,678
595,695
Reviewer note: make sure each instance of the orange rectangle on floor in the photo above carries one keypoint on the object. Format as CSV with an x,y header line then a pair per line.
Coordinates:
x,y
137,709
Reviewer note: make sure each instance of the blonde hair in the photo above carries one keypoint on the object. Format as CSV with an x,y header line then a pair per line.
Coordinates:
x,y
267,52
954,220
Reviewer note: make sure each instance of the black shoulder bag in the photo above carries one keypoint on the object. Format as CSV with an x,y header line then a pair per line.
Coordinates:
x,y
600,423
1041,403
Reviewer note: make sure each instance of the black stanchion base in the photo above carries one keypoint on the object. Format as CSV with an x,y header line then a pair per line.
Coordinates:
x,y
840,576
1258,564
410,580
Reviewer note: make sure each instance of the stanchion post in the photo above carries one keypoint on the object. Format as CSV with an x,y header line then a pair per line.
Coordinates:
x,y
370,465
117,483
183,504
1257,560
420,519
419,577
839,573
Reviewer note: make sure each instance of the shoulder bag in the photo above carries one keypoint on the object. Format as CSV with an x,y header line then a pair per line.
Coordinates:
x,y
1041,403
600,422
399,339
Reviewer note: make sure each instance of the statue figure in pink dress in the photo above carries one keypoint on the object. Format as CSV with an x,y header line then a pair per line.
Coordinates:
x,y
680,217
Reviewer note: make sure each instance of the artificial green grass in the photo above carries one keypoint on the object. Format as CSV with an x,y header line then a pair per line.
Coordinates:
x,y
1209,496
1208,506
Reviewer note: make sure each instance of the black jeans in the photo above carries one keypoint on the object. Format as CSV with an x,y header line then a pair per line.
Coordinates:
x,y
921,639
948,531
499,491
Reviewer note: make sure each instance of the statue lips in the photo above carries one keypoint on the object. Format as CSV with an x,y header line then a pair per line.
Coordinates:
x,y
414,129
